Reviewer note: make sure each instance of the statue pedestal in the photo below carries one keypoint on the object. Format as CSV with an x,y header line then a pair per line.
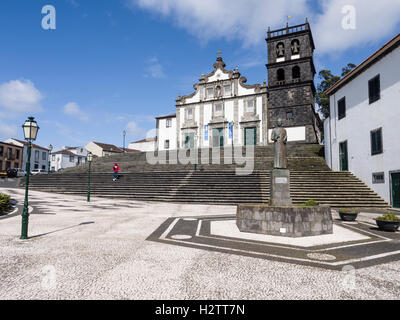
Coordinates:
x,y
280,187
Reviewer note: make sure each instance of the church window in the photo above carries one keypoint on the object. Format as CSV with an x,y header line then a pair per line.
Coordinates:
x,y
280,50
374,89
227,90
169,123
342,108
218,110
210,93
295,47
296,72
250,106
190,114
281,75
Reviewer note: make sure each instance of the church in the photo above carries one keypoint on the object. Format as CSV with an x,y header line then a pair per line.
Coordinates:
x,y
225,110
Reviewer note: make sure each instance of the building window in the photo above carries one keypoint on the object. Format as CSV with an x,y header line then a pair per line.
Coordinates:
x,y
44,156
376,142
1,151
227,90
296,72
16,165
43,167
250,107
342,108
17,154
289,115
210,93
378,177
190,114
169,123
166,144
36,156
374,89
53,157
218,110
281,75
71,158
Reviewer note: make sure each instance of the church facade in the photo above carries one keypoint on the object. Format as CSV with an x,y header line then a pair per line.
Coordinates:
x,y
225,110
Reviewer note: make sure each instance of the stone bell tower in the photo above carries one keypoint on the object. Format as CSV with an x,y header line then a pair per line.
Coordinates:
x,y
291,86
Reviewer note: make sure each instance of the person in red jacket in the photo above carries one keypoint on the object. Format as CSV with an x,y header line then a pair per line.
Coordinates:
x,y
116,170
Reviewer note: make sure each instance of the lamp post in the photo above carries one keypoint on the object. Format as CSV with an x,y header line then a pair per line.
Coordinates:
x,y
30,132
50,147
89,158
195,149
124,134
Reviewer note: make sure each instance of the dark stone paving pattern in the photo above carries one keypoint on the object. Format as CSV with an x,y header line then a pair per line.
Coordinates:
x,y
381,247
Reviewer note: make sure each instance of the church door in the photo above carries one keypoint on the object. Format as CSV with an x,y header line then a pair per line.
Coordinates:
x,y
396,190
218,137
250,135
189,141
344,160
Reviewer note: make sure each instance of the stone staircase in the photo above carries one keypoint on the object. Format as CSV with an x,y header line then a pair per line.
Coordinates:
x,y
311,179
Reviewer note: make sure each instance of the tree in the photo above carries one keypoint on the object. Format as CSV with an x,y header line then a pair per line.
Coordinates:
x,y
347,69
327,80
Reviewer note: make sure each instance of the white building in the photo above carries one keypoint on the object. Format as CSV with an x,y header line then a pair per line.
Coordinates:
x,y
362,133
222,110
68,157
166,128
99,149
144,145
39,155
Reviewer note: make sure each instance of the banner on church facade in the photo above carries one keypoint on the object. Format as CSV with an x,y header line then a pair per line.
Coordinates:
x,y
206,132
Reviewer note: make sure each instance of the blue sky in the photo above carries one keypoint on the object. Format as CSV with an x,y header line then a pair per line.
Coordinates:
x,y
114,65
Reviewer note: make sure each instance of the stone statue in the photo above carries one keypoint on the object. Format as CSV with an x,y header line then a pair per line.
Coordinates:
x,y
279,136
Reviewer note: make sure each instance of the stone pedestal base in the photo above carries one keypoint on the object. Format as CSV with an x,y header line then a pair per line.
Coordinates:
x,y
284,221
280,187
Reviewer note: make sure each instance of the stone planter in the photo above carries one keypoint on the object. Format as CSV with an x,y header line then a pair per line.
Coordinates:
x,y
348,216
387,225
284,221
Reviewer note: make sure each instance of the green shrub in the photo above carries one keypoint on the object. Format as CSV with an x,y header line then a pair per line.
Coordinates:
x,y
389,217
4,203
311,203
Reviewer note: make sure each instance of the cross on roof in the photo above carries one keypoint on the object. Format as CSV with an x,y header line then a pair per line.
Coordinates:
x,y
219,53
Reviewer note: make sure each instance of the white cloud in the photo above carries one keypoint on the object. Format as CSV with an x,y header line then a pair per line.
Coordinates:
x,y
374,20
248,20
73,109
20,96
213,19
7,131
134,130
154,69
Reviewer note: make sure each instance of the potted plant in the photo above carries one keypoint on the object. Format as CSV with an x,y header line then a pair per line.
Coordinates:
x,y
348,215
4,204
388,222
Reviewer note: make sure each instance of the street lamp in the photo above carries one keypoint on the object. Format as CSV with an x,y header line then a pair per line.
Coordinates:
x,y
50,147
195,149
89,158
124,134
30,132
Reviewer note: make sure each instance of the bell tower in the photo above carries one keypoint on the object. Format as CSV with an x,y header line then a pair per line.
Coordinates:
x,y
291,86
